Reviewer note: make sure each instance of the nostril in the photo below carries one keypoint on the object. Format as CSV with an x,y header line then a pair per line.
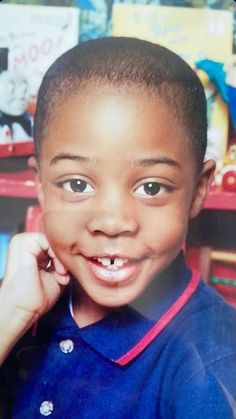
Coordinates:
x,y
108,224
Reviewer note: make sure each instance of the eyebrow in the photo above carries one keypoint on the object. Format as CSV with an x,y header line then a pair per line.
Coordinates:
x,y
153,161
68,156
147,162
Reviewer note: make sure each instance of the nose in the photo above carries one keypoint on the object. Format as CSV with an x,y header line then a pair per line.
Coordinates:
x,y
113,218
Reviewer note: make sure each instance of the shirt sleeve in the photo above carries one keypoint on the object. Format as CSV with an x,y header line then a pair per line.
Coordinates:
x,y
203,396
200,376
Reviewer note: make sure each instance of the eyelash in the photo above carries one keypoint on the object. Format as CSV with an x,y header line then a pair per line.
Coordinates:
x,y
76,180
161,189
158,187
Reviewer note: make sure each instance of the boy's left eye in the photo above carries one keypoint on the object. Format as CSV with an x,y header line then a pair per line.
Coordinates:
x,y
77,185
151,189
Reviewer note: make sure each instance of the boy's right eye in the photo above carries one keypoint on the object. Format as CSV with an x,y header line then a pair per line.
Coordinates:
x,y
77,186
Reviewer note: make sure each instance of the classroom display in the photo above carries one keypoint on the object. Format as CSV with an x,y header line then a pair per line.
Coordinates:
x,y
173,28
32,37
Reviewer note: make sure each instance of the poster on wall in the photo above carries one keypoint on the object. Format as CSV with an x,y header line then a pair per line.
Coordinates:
x,y
194,34
31,38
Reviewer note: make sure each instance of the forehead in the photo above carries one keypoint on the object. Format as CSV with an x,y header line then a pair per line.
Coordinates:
x,y
118,119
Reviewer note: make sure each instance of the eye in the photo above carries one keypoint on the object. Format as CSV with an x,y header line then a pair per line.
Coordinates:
x,y
77,186
151,189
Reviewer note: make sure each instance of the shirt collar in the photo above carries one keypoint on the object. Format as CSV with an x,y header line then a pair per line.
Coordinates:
x,y
125,332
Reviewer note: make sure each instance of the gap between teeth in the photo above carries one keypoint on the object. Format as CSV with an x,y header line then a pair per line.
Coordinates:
x,y
117,261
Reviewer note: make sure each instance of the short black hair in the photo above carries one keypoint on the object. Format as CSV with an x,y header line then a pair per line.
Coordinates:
x,y
121,61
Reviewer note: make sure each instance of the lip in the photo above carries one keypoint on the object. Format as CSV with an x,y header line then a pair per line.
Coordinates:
x,y
113,277
113,256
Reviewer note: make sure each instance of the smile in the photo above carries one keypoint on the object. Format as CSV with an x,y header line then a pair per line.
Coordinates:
x,y
113,270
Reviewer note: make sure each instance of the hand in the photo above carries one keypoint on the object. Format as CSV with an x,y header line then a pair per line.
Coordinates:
x,y
32,287
28,290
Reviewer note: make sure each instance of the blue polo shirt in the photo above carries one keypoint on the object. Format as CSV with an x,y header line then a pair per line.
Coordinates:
x,y
172,354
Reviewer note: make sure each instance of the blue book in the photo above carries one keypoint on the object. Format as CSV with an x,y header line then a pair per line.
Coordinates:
x,y
4,242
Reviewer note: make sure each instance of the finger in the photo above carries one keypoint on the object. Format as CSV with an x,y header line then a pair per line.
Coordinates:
x,y
53,288
61,279
59,267
25,250
54,283
34,244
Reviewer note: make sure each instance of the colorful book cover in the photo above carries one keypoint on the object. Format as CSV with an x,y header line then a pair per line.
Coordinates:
x,y
36,36
194,34
31,38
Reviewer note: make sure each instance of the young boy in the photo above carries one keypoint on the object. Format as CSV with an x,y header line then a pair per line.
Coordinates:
x,y
120,137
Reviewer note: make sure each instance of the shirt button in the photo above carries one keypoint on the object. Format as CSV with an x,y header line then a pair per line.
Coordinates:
x,y
46,408
67,346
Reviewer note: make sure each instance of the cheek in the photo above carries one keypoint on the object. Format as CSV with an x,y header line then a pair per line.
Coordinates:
x,y
166,229
60,228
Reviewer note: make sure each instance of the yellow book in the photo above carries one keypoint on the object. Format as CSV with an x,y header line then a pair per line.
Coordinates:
x,y
194,34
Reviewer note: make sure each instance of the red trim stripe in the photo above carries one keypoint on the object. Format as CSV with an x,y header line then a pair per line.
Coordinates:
x,y
162,322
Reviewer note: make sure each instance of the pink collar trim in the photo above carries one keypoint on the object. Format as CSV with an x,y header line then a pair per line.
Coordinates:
x,y
163,322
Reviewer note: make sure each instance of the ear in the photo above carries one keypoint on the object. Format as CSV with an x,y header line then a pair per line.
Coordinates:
x,y
33,164
202,187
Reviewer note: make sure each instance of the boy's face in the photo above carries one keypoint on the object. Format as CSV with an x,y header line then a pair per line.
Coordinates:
x,y
117,178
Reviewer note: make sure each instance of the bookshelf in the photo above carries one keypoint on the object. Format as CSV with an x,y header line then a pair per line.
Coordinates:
x,y
21,148
19,184
17,194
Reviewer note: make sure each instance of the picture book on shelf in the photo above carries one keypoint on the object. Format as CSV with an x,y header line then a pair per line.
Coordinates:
x,y
172,27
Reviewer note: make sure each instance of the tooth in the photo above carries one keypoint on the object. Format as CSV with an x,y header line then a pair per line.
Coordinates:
x,y
113,267
105,261
119,261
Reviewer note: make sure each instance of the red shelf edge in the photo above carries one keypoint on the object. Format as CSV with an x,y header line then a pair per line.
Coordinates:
x,y
221,200
16,149
18,184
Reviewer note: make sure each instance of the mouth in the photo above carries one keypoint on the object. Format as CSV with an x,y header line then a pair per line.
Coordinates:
x,y
113,269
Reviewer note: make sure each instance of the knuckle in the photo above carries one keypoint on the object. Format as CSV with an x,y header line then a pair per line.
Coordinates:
x,y
15,239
